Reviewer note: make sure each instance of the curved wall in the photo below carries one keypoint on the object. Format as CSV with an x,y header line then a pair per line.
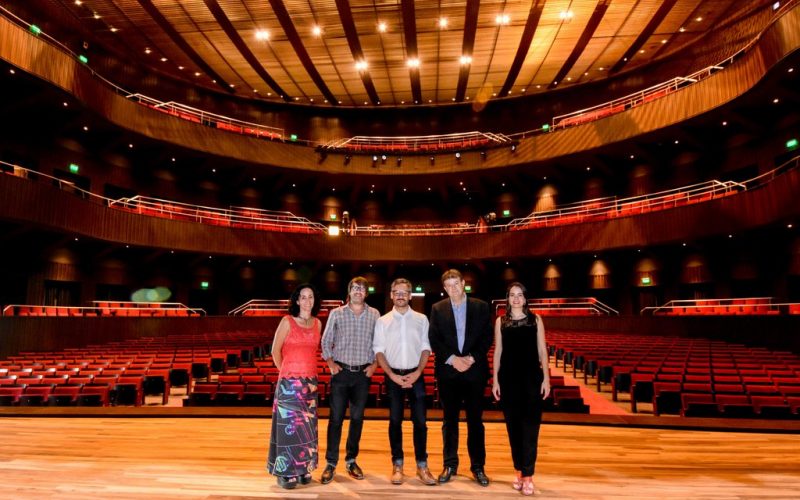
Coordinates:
x,y
48,207
43,60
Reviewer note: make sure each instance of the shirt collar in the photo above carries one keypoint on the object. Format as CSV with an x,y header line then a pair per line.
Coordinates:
x,y
398,314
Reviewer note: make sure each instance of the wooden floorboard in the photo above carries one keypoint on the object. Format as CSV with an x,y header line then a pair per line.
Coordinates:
x,y
171,458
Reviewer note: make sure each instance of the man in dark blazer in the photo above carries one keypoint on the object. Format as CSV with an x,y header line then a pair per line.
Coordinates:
x,y
460,335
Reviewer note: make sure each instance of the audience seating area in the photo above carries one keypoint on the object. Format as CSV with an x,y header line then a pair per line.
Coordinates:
x,y
684,376
224,369
107,308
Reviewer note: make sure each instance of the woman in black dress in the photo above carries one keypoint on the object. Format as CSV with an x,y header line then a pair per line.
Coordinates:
x,y
522,380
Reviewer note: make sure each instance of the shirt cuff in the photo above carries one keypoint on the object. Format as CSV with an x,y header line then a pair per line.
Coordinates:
x,y
449,360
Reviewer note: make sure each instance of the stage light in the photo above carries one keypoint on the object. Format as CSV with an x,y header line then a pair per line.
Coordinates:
x,y
333,230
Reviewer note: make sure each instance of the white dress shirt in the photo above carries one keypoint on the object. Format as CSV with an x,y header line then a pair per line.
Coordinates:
x,y
401,338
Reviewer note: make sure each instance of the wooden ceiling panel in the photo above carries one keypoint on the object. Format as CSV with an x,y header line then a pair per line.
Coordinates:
x,y
291,58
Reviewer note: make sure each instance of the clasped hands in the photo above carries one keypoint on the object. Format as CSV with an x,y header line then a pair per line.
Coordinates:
x,y
463,363
405,381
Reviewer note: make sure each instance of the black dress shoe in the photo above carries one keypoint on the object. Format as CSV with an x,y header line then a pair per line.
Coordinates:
x,y
354,470
305,478
287,483
447,473
480,477
327,474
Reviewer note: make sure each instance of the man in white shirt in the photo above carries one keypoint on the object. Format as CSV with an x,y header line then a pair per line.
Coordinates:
x,y
401,348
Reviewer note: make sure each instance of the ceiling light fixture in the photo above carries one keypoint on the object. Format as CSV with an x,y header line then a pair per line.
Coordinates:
x,y
443,22
316,30
413,63
382,27
502,19
262,35
361,65
566,15
465,60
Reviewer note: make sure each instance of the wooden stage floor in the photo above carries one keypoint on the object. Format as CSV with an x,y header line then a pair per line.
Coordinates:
x,y
168,458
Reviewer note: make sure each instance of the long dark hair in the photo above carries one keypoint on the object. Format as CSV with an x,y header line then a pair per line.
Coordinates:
x,y
529,319
294,309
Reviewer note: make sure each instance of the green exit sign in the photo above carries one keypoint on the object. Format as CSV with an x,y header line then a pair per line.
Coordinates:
x,y
204,285
646,280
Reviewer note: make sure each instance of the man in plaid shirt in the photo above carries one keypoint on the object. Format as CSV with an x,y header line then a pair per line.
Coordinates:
x,y
347,348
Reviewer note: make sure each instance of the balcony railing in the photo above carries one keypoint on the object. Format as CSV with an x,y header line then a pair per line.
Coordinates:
x,y
268,220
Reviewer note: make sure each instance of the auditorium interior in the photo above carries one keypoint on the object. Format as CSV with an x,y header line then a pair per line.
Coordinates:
x,y
171,171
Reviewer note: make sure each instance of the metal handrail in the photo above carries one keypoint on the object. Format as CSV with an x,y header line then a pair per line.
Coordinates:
x,y
277,305
709,303
173,306
563,303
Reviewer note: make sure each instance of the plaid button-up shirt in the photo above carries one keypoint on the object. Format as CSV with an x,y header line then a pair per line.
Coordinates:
x,y
348,338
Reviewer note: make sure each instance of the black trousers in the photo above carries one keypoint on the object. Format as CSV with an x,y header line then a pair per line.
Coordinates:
x,y
346,388
455,393
523,415
416,399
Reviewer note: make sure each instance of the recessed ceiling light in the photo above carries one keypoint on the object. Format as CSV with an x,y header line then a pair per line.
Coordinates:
x,y
698,19
413,63
65,104
502,19
465,60
361,65
114,30
316,31
163,59
180,68
147,50
85,128
566,15
196,73
262,35
382,27
12,71
443,22
78,2
96,15
776,101
664,41
790,70
682,29
641,51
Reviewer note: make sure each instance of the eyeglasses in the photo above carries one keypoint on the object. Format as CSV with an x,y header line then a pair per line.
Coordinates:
x,y
401,293
357,288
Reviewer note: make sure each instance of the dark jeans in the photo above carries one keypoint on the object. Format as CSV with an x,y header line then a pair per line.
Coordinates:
x,y
454,393
346,388
416,398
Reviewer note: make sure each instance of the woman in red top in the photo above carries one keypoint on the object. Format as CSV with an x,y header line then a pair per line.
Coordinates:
x,y
293,448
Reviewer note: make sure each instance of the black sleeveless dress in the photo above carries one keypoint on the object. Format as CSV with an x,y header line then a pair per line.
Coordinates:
x,y
520,374
520,378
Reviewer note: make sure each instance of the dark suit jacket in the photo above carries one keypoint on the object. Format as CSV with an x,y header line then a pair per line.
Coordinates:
x,y
477,339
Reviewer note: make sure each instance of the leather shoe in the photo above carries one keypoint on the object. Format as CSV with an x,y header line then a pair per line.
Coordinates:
x,y
327,474
354,470
397,474
446,474
305,478
480,477
424,475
